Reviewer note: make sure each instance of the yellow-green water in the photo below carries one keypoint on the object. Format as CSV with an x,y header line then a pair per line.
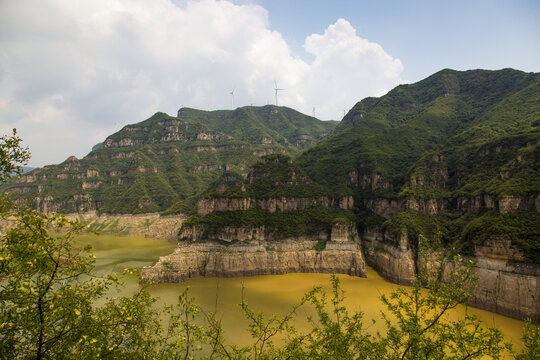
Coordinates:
x,y
270,294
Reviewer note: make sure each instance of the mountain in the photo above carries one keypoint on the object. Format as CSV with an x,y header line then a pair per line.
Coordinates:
x,y
462,147
454,158
280,125
158,164
387,135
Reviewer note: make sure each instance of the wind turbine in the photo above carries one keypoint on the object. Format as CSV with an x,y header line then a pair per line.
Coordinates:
x,y
277,89
232,98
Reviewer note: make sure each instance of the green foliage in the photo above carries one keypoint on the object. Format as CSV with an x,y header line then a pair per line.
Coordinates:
x,y
273,176
368,219
320,245
53,306
506,165
186,206
47,299
12,156
281,125
334,334
521,227
421,330
531,342
282,224
415,223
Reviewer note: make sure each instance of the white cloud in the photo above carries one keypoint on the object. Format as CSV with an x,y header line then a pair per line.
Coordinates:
x,y
346,69
72,72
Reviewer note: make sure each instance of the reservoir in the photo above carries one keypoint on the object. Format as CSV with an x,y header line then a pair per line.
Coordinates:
x,y
271,294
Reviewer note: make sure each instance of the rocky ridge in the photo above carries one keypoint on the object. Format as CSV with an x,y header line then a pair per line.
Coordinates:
x,y
207,206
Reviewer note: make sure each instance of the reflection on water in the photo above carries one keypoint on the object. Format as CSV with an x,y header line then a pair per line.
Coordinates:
x,y
270,294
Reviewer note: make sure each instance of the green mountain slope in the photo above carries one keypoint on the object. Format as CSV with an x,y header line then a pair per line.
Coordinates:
x,y
388,135
157,164
283,126
438,155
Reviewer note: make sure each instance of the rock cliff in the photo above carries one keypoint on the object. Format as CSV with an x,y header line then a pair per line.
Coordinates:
x,y
207,206
506,284
255,258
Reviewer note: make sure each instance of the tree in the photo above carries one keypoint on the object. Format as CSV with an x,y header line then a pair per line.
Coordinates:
x,y
48,291
12,156
531,342
416,323
49,294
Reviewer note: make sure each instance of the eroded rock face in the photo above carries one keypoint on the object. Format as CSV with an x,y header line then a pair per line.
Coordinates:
x,y
384,207
207,206
343,233
510,289
392,258
505,204
430,206
44,204
513,203
388,208
253,259
506,284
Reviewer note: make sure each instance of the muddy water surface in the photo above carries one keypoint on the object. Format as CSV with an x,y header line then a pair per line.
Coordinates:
x,y
269,294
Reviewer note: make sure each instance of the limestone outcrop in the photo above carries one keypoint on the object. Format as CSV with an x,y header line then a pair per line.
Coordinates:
x,y
506,283
387,208
207,206
392,261
255,258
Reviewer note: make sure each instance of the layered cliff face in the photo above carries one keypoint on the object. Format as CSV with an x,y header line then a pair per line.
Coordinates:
x,y
506,284
275,201
392,258
256,258
207,206
237,233
158,164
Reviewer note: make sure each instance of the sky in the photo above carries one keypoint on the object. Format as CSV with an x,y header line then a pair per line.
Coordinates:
x,y
73,72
